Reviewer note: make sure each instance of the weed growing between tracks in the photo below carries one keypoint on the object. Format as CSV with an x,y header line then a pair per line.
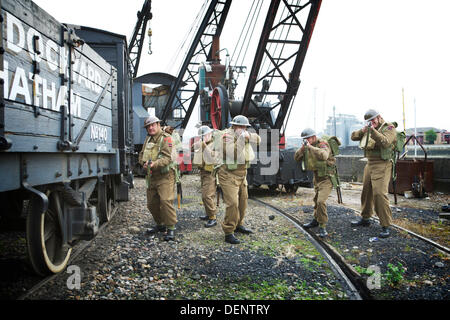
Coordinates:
x,y
289,245
423,274
248,289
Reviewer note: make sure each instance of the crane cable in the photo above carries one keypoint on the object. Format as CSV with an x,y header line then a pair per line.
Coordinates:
x,y
253,13
251,34
242,31
271,45
273,48
276,46
189,36
279,56
291,105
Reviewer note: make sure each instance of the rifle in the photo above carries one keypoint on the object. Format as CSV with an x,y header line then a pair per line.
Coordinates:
x,y
338,187
369,125
394,175
305,143
149,173
218,191
179,194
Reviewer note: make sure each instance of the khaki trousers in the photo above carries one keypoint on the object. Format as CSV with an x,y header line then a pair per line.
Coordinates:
x,y
208,182
322,189
377,175
235,196
160,197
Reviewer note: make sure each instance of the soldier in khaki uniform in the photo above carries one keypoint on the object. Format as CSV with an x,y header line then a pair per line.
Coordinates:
x,y
156,157
204,159
237,154
377,139
318,157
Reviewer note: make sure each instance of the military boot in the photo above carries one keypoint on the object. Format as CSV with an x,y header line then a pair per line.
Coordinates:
x,y
204,218
384,232
156,229
311,224
323,232
243,230
230,238
361,222
170,235
211,223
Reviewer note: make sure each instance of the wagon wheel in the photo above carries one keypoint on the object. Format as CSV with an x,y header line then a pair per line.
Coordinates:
x,y
46,250
105,200
219,108
291,188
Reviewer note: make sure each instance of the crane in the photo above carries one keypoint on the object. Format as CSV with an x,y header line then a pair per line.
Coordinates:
x,y
204,47
294,50
138,37
272,84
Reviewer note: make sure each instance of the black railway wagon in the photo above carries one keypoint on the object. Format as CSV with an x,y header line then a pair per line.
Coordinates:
x,y
63,136
113,48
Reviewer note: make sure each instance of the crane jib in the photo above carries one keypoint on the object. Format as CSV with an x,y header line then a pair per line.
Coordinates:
x,y
290,77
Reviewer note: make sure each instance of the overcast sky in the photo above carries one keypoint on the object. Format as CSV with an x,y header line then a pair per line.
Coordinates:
x,y
362,53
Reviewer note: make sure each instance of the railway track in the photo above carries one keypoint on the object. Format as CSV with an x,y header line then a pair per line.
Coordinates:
x,y
350,279
351,282
355,283
77,250
411,233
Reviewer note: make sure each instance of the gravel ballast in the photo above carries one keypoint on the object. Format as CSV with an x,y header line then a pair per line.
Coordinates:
x,y
409,268
276,262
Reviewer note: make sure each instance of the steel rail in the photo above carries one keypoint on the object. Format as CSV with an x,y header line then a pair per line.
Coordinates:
x,y
429,241
352,281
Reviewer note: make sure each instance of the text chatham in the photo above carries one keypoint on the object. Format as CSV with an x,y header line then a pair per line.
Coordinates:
x,y
31,87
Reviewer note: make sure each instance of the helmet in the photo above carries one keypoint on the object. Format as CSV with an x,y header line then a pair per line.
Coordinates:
x,y
308,132
371,114
240,120
204,130
150,120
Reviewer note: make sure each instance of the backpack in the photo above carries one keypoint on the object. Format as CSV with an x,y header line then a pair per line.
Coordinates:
x,y
398,148
334,143
401,139
177,147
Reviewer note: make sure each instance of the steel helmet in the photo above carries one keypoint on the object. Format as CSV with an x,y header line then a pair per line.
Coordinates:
x,y
240,120
150,120
308,132
371,114
204,130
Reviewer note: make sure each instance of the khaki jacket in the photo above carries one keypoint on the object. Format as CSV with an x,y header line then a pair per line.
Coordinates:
x,y
384,136
204,155
319,151
237,149
158,148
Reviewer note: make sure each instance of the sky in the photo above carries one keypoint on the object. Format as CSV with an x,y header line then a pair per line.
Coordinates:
x,y
363,53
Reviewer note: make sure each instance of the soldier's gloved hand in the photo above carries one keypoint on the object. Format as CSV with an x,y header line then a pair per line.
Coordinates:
x,y
246,135
238,132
